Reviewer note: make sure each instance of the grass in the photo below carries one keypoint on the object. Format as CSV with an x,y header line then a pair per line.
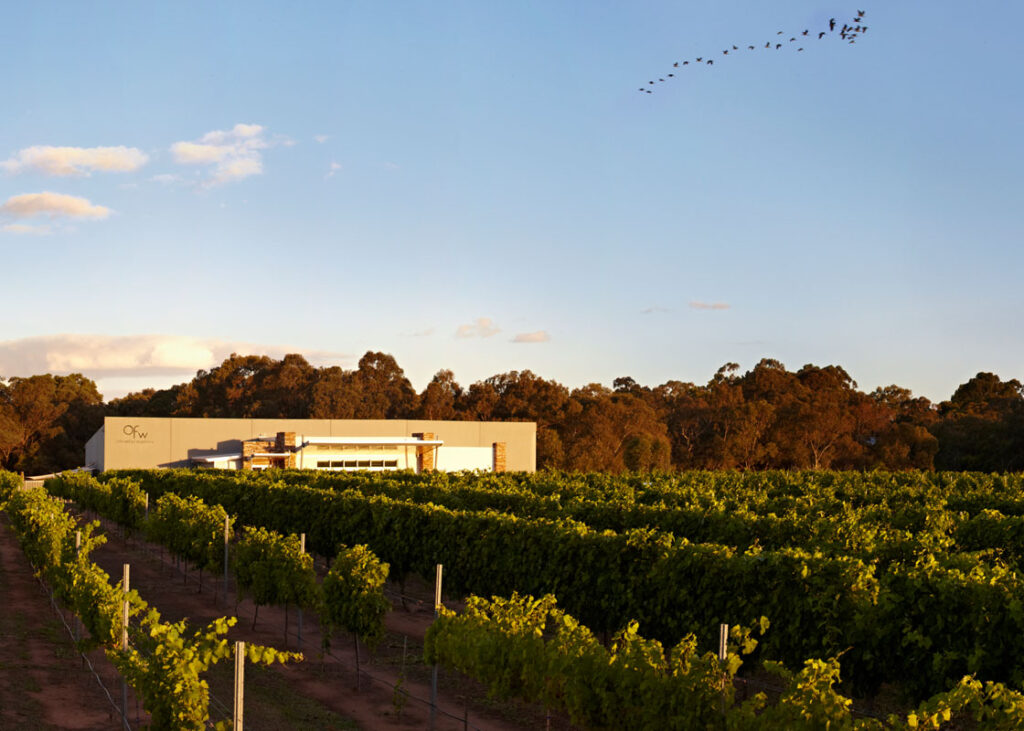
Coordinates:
x,y
272,700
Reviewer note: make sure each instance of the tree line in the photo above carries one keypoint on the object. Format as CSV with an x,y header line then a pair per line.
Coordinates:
x,y
766,418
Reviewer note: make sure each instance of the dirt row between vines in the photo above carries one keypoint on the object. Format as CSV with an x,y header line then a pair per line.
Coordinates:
x,y
321,691
44,684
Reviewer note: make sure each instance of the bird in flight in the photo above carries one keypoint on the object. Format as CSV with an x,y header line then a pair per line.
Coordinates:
x,y
849,32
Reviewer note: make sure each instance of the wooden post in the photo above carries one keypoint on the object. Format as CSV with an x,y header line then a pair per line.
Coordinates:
x,y
78,548
239,686
302,549
146,495
355,641
124,643
723,656
433,680
437,590
227,529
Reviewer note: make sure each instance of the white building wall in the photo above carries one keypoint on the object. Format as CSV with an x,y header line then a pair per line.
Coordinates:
x,y
454,459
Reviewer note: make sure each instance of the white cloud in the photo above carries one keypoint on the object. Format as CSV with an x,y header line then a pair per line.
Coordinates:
x,y
23,228
52,205
335,167
234,154
420,333
104,356
540,336
63,161
653,310
391,166
321,138
710,305
483,327
165,178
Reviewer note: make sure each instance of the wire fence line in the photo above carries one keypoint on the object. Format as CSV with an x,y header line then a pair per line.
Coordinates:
x,y
60,614
45,589
180,565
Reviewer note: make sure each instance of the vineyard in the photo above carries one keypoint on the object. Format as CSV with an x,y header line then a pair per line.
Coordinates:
x,y
608,593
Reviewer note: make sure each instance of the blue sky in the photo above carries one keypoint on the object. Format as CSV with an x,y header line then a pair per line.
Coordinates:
x,y
437,181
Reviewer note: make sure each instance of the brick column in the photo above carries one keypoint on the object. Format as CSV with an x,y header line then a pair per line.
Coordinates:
x,y
425,454
251,447
500,457
285,441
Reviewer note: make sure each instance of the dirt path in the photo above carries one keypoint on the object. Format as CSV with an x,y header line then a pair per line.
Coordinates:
x,y
323,683
43,684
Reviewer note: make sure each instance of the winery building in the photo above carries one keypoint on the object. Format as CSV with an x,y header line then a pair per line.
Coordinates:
x,y
339,445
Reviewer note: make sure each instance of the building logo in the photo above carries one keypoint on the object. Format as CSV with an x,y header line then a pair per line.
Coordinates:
x,y
133,435
132,431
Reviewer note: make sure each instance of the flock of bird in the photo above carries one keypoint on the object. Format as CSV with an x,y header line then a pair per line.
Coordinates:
x,y
848,32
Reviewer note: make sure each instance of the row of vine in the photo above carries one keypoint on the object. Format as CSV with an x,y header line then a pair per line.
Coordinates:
x,y
164,662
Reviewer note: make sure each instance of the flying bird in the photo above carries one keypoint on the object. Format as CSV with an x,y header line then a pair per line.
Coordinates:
x,y
848,33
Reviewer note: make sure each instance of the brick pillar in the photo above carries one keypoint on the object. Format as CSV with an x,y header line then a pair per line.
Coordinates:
x,y
425,454
248,448
251,447
500,457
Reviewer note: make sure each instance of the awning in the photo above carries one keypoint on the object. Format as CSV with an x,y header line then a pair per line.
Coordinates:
x,y
374,441
217,457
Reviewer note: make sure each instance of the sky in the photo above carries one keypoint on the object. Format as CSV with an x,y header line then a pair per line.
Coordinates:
x,y
483,187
